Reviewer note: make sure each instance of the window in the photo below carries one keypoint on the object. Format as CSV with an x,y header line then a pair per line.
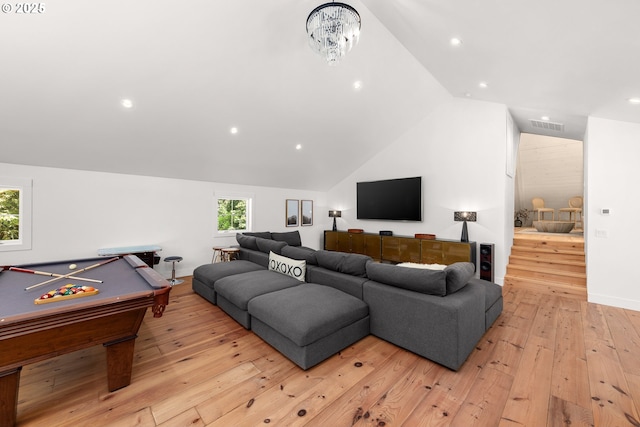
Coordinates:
x,y
15,214
234,213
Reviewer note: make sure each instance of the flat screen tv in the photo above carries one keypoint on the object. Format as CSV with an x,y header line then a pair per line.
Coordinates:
x,y
391,199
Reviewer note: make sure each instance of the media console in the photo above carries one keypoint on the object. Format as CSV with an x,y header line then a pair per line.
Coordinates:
x,y
398,249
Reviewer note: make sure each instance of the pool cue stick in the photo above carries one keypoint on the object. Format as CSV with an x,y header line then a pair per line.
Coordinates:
x,y
71,274
45,273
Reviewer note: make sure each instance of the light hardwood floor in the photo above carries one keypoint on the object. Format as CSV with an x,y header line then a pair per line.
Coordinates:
x,y
547,361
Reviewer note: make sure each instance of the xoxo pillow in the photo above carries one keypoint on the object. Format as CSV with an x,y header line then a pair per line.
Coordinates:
x,y
290,267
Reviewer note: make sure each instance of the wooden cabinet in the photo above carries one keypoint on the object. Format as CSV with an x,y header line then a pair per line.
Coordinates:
x,y
358,243
447,252
331,240
401,248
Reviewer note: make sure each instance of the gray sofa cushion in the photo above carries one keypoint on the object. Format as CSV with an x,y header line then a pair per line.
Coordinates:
x,y
458,275
353,264
261,234
254,256
268,245
292,238
340,281
421,280
300,253
245,241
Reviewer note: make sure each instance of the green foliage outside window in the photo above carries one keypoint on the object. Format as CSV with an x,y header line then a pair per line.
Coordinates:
x,y
232,214
9,214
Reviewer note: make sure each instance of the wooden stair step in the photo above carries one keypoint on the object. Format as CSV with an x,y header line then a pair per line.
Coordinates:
x,y
549,263
548,274
552,244
543,286
546,253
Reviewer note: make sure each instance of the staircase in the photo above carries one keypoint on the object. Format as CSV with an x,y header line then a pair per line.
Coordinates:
x,y
548,263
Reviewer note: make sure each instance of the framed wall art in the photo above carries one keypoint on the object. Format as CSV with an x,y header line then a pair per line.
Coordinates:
x,y
307,212
292,213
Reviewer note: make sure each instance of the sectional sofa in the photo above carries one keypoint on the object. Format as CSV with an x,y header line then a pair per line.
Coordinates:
x,y
310,304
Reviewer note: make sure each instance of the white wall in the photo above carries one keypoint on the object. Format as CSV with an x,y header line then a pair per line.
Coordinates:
x,y
77,212
612,151
460,152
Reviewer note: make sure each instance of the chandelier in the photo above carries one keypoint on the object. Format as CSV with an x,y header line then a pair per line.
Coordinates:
x,y
333,29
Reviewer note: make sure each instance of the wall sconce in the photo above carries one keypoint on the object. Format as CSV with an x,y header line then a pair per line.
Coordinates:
x,y
465,216
334,215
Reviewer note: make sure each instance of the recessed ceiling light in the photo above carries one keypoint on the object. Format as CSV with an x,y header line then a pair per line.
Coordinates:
x,y
234,130
127,103
467,94
634,101
455,41
483,85
357,85
545,118
298,146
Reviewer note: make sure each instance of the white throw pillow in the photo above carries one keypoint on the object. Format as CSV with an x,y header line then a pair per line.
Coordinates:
x,y
290,267
427,266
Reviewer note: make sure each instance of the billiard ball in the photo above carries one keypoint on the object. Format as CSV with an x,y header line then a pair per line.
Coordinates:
x,y
72,267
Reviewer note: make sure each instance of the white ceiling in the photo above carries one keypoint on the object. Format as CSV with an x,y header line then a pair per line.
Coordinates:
x,y
196,68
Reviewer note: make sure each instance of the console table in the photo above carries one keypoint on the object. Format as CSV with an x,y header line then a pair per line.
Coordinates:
x,y
397,249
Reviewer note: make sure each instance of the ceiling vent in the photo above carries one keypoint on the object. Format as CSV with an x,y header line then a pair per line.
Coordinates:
x,y
542,124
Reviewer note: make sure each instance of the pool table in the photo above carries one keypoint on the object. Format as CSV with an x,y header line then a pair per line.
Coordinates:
x,y
32,332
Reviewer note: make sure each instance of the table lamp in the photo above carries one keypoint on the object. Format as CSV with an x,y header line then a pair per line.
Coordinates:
x,y
464,216
335,214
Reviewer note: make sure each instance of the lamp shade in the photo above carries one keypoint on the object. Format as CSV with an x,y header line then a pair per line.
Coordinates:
x,y
335,214
465,216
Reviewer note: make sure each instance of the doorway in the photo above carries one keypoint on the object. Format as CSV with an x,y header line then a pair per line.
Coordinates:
x,y
550,168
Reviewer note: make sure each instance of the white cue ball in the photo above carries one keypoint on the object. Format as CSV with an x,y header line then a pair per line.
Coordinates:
x,y
72,267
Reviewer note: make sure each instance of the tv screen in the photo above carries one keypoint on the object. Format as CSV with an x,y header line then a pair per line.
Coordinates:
x,y
391,199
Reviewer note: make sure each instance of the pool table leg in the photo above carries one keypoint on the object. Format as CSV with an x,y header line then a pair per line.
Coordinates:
x,y
120,362
9,381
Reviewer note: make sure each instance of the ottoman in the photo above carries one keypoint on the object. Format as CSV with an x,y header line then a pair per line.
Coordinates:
x,y
233,293
309,323
205,276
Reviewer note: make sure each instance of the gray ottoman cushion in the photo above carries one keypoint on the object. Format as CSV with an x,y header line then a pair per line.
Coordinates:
x,y
208,274
234,292
240,288
310,322
308,312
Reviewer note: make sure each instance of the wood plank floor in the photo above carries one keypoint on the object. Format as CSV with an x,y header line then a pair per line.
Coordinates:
x,y
547,361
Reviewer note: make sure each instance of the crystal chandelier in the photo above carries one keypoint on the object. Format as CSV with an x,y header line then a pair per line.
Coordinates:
x,y
333,29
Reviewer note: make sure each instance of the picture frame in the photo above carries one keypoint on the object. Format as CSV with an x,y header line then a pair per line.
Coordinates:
x,y
292,213
306,212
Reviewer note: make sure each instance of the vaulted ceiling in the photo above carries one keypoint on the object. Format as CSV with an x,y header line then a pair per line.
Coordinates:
x,y
195,69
